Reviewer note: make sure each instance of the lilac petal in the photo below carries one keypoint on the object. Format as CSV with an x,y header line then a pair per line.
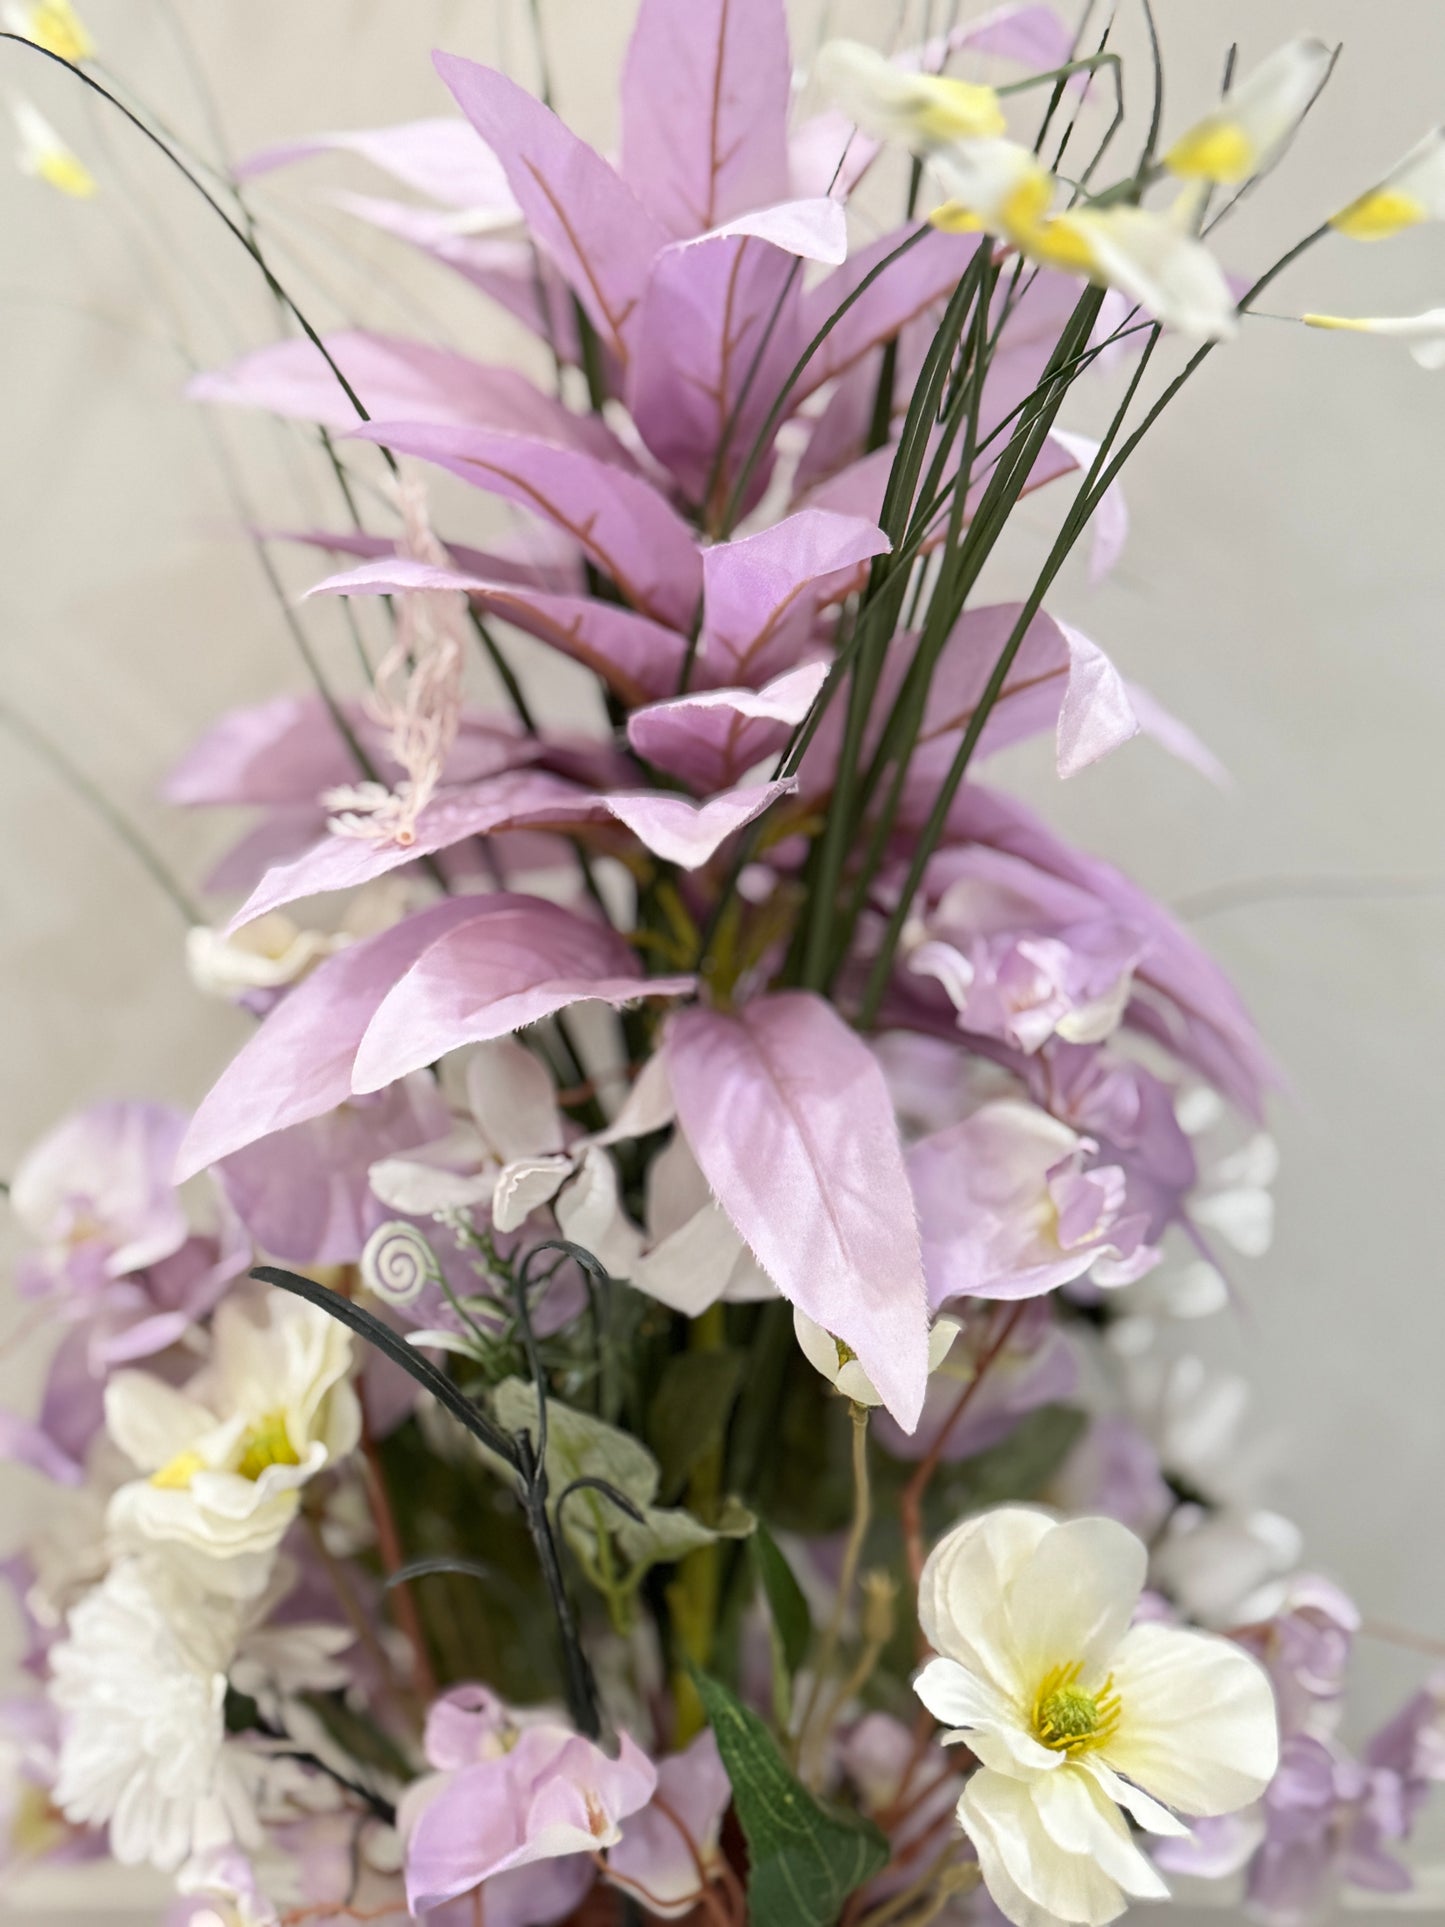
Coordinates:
x,y
529,557
516,960
442,159
764,591
1034,36
814,228
713,738
789,1118
400,380
621,521
1177,737
579,212
712,308
828,155
635,656
1109,525
926,275
282,752
705,94
338,862
22,1442
298,1064
277,838
690,834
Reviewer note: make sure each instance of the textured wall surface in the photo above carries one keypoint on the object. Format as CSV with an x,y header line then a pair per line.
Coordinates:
x,y
1283,591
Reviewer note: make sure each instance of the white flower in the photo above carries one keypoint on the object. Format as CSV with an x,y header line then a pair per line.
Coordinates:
x,y
839,1365
1412,192
994,185
924,111
1425,333
1073,1714
1255,120
45,155
227,1457
141,1679
1145,256
1211,1561
265,955
53,25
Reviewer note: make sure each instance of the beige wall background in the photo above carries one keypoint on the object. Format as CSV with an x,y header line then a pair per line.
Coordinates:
x,y
1284,591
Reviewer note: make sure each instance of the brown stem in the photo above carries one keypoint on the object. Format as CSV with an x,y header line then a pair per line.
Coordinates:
x,y
393,1558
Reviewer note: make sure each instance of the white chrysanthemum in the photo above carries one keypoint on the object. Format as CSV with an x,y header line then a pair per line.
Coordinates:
x,y
227,1457
924,111
1413,191
839,1364
1252,124
1073,1714
141,1681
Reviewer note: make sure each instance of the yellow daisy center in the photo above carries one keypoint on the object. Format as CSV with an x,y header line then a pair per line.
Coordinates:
x,y
1067,1719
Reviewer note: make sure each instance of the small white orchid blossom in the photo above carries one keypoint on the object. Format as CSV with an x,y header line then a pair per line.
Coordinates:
x,y
1074,1714
1412,192
1146,257
839,1364
923,111
1253,122
45,155
1424,334
226,1458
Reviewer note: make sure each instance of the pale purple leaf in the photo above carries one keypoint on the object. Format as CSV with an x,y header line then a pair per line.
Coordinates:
x,y
828,155
714,737
690,834
298,1064
764,591
636,657
534,555
927,274
399,380
706,88
788,1115
282,752
814,229
1178,738
581,214
1109,524
443,159
517,962
627,528
1033,36
338,862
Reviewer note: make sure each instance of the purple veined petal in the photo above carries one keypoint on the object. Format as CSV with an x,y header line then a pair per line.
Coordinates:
x,y
581,214
764,591
1178,738
517,962
690,834
927,274
827,154
636,657
297,1065
515,799
443,159
705,320
1109,525
399,380
714,737
706,88
281,752
788,1115
814,228
277,838
531,556
627,528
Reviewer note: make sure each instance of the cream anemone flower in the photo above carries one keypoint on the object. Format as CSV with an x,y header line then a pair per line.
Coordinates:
x,y
1255,119
1412,192
1424,333
226,1458
1074,1714
923,111
45,155
838,1363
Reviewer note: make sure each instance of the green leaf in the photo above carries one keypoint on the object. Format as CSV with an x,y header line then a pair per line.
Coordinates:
x,y
690,1410
1018,1467
804,1860
580,1446
792,1621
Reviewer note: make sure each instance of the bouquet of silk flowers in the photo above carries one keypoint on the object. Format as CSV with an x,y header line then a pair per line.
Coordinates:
x,y
644,1390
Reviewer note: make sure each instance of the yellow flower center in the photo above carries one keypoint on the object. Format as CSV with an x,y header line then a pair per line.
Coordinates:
x,y
1215,150
1067,1719
177,1473
268,1442
944,109
1379,214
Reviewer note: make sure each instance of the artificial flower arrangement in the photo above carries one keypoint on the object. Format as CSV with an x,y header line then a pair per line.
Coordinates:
x,y
632,1396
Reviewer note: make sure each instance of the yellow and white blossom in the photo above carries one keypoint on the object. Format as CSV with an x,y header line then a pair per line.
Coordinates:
x,y
923,111
1146,257
1255,119
45,155
1074,1714
225,1459
1410,193
995,187
1424,333
839,1364
53,25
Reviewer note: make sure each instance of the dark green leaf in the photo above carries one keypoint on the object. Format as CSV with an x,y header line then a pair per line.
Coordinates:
x,y
791,1618
1018,1467
690,1411
804,1860
397,1350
